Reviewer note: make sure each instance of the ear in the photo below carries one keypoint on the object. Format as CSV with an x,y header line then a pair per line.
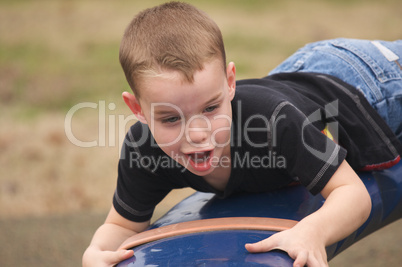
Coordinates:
x,y
231,78
132,102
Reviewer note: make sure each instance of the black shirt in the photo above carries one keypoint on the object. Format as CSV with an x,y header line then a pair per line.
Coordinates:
x,y
276,137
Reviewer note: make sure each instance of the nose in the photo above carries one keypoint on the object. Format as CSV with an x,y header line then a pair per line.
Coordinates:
x,y
198,130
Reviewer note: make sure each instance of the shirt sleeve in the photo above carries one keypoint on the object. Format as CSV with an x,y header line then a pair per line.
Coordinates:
x,y
139,187
310,155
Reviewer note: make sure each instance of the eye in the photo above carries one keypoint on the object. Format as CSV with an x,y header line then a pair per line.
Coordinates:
x,y
171,120
211,108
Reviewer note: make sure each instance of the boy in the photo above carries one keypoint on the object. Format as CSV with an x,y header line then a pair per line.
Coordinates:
x,y
193,130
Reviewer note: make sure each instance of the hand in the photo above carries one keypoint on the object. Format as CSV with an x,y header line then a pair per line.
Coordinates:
x,y
98,258
305,247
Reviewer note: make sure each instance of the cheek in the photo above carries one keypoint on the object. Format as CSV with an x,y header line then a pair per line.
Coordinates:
x,y
221,132
167,139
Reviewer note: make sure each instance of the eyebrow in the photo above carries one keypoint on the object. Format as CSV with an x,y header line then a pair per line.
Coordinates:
x,y
213,99
168,112
163,112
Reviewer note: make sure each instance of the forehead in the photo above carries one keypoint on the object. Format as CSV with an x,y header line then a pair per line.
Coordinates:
x,y
172,87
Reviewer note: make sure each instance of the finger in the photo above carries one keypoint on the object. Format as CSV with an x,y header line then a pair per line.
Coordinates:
x,y
309,259
322,258
118,256
313,261
301,259
262,246
127,254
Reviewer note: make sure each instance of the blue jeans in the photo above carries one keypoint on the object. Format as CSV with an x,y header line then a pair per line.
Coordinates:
x,y
371,67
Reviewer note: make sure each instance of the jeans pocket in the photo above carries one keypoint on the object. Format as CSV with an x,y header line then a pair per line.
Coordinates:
x,y
383,69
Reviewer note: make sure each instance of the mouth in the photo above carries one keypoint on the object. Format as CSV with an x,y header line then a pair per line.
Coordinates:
x,y
199,157
200,161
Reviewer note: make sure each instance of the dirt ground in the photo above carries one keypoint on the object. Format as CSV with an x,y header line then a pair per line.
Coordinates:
x,y
62,119
60,240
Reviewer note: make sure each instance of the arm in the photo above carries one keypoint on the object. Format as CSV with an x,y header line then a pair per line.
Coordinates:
x,y
346,208
108,238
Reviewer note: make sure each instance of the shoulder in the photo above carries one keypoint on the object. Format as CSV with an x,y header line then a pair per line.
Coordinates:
x,y
139,138
257,96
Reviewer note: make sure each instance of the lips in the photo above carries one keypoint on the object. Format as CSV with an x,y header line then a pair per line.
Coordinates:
x,y
201,161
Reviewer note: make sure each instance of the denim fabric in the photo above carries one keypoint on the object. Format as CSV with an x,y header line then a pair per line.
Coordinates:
x,y
361,64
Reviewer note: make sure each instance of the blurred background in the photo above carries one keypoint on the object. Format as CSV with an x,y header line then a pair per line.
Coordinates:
x,y
62,117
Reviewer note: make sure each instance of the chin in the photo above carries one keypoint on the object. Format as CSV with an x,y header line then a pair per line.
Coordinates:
x,y
201,173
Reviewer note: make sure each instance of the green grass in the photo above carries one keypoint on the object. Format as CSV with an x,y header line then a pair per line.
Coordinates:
x,y
58,53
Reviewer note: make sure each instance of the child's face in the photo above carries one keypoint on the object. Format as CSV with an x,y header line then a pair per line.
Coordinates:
x,y
191,121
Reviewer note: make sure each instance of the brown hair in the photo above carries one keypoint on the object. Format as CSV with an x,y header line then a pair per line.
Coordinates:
x,y
173,36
